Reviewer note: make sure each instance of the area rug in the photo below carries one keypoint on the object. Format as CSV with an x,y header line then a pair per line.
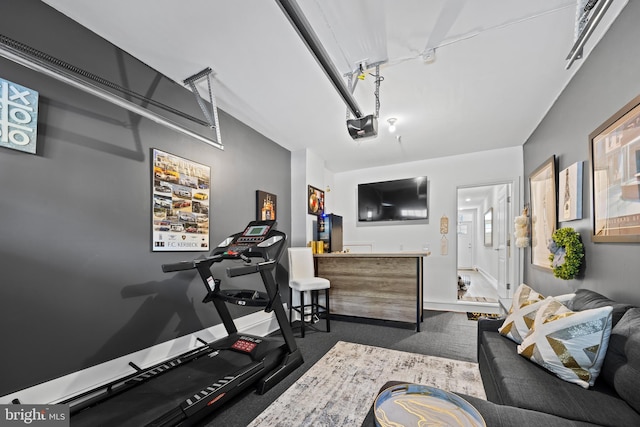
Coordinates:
x,y
340,388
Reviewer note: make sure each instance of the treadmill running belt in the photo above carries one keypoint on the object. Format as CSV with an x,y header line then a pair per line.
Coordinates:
x,y
144,403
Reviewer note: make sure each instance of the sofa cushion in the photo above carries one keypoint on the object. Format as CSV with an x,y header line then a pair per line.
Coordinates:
x,y
526,303
571,344
599,405
586,299
526,385
508,416
621,367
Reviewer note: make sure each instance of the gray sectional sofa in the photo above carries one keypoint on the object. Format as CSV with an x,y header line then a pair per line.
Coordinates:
x,y
522,393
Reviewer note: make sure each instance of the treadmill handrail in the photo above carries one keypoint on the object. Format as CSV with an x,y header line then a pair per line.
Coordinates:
x,y
189,265
249,269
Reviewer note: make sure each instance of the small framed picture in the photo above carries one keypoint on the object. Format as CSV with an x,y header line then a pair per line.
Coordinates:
x,y
570,193
315,201
266,206
488,227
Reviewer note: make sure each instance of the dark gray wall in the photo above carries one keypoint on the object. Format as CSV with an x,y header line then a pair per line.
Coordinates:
x,y
80,284
605,83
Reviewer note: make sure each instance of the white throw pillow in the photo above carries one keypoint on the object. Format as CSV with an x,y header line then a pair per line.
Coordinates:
x,y
571,344
523,310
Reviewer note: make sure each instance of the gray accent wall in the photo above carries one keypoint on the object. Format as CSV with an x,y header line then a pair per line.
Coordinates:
x,y
608,79
80,284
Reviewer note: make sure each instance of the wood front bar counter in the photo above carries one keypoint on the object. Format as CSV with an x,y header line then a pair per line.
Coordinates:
x,y
385,286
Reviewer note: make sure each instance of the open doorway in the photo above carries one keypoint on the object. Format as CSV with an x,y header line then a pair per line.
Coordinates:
x,y
483,243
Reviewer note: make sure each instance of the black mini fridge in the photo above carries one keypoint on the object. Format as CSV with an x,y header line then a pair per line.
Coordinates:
x,y
330,232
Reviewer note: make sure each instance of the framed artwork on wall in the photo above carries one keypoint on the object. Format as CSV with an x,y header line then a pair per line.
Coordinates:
x,y
614,151
570,193
315,200
180,203
542,194
488,227
19,117
266,204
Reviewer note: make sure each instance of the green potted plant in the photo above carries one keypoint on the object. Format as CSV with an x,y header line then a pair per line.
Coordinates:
x,y
567,253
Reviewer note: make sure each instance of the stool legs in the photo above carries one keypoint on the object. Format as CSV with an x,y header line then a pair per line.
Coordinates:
x,y
326,305
313,305
302,313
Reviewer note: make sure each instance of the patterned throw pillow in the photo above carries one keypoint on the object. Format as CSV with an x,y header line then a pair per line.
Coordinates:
x,y
526,303
521,314
571,344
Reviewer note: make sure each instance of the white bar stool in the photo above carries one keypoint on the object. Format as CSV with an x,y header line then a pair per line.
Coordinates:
x,y
302,278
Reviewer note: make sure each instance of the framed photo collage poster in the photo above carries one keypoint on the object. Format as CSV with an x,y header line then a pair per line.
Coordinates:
x,y
180,191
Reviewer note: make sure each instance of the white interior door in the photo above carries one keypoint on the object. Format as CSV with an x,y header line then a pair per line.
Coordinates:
x,y
466,233
497,262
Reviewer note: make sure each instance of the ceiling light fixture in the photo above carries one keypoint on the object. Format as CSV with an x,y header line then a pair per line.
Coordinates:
x,y
392,124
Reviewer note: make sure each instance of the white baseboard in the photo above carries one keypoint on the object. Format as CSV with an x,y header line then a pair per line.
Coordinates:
x,y
62,388
463,306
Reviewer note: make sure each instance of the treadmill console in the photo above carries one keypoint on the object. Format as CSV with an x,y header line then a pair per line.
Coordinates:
x,y
256,235
253,234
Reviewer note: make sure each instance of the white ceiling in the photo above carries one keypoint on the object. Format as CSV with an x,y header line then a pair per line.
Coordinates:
x,y
499,66
475,197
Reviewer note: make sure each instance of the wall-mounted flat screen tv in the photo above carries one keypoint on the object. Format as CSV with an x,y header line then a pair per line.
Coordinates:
x,y
397,200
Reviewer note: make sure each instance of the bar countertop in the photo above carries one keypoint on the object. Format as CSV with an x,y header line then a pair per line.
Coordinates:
x,y
374,254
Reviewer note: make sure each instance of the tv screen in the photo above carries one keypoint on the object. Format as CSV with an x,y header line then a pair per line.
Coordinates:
x,y
397,200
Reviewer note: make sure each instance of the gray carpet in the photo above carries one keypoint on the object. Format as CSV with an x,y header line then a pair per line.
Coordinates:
x,y
444,334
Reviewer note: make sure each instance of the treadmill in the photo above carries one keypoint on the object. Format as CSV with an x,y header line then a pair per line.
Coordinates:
x,y
187,388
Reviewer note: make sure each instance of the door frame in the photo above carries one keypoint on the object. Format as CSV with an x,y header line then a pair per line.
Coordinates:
x,y
515,257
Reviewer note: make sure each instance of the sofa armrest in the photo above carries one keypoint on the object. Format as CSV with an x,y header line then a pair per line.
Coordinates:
x,y
486,324
489,324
